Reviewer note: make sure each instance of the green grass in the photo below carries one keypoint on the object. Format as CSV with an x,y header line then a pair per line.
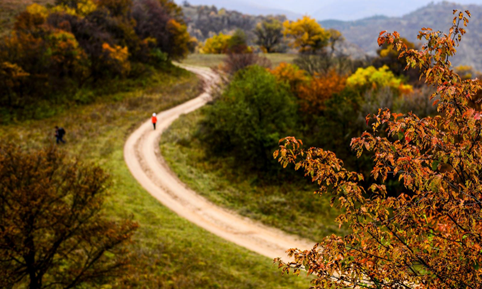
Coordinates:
x,y
168,251
211,60
286,204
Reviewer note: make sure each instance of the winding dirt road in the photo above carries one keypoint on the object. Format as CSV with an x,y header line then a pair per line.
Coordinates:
x,y
141,153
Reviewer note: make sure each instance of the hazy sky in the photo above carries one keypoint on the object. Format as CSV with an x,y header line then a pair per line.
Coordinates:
x,y
328,9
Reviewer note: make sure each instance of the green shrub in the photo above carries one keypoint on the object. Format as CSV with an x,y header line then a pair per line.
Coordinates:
x,y
250,117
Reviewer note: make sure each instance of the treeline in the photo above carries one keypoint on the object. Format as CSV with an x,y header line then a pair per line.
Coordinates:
x,y
273,35
53,51
206,21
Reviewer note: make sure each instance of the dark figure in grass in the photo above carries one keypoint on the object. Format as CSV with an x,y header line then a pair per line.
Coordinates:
x,y
59,134
154,120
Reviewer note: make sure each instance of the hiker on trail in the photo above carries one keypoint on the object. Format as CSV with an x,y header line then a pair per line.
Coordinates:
x,y
154,120
59,134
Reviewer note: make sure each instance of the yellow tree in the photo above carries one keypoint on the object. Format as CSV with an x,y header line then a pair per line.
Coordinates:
x,y
217,44
307,34
372,78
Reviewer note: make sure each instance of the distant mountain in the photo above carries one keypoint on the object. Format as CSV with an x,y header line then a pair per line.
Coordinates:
x,y
438,16
246,7
358,9
346,10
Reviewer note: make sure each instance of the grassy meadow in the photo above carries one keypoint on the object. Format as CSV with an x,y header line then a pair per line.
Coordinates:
x,y
290,206
168,251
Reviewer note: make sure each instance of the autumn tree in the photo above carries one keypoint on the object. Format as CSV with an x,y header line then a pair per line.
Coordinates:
x,y
292,75
66,57
77,7
116,7
388,56
323,60
372,78
80,43
218,44
174,10
155,21
430,235
53,232
92,37
269,34
313,95
307,35
12,79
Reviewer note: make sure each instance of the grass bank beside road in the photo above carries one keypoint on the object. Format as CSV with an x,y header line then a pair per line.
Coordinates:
x,y
168,252
278,204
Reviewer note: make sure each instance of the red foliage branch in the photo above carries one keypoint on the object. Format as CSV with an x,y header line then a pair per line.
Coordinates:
x,y
429,236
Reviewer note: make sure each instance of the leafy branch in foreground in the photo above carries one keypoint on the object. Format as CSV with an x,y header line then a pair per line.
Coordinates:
x,y
52,229
430,236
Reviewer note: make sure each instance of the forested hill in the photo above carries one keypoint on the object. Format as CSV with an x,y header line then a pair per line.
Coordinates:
x,y
438,16
205,21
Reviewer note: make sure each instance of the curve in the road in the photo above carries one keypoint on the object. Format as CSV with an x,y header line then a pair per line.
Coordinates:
x,y
141,153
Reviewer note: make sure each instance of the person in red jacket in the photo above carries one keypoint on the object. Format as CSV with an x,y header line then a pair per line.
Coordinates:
x,y
154,120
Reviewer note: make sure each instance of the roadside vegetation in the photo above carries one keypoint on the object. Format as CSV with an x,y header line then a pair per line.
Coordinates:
x,y
290,207
167,251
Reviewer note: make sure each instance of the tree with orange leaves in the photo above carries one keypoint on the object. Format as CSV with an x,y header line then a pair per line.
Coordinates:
x,y
313,95
430,235
290,74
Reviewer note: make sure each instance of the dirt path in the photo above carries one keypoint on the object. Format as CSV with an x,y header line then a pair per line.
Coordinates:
x,y
141,153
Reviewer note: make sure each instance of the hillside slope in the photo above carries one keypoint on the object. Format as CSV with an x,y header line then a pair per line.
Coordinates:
x,y
438,16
